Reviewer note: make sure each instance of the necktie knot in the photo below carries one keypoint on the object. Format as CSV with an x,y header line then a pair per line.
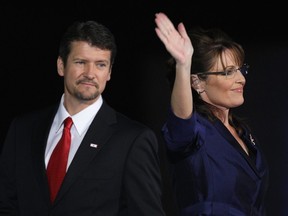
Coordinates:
x,y
68,123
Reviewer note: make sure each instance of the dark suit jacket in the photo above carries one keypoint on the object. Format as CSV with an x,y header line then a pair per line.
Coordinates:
x,y
119,177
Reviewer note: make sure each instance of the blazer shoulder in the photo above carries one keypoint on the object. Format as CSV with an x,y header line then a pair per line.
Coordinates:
x,y
122,122
34,116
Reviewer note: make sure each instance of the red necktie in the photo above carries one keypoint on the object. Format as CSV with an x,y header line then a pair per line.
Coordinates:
x,y
57,164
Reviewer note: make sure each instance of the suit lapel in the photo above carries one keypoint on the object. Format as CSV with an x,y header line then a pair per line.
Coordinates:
x,y
39,140
97,135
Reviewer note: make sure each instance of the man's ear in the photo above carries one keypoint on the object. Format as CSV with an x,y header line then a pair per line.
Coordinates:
x,y
60,66
197,84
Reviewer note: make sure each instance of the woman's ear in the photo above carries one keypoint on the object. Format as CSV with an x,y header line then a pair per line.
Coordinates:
x,y
197,84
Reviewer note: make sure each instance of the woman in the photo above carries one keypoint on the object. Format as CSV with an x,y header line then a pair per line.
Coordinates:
x,y
219,168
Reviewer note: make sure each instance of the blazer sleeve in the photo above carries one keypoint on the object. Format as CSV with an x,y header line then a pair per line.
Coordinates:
x,y
8,202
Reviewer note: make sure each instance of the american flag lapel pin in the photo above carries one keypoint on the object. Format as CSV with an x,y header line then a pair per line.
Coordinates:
x,y
92,145
252,139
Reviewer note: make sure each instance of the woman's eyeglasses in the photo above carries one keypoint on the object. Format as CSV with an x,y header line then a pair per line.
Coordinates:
x,y
229,71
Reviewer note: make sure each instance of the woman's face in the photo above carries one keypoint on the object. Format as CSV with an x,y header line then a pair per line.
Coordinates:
x,y
221,91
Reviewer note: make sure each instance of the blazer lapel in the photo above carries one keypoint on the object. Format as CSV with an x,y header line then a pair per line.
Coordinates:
x,y
231,140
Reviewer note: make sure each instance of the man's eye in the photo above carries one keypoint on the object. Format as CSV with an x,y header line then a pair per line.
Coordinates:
x,y
101,65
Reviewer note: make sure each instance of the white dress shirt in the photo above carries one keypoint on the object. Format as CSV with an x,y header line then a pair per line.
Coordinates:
x,y
81,123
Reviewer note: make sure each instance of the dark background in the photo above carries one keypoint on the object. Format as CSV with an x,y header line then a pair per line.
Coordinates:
x,y
29,41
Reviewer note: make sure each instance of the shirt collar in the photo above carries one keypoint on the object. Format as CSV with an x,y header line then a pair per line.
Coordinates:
x,y
81,120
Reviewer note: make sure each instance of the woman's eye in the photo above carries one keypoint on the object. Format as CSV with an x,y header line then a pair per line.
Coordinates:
x,y
230,71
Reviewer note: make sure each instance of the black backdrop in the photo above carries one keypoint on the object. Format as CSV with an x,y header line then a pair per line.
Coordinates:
x,y
29,41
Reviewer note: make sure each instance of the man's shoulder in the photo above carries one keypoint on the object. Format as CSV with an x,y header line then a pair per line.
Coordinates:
x,y
124,119
38,114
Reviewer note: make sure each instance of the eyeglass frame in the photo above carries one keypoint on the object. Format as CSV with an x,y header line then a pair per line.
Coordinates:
x,y
243,69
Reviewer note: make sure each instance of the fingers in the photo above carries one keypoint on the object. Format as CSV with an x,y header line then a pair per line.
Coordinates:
x,y
182,31
164,25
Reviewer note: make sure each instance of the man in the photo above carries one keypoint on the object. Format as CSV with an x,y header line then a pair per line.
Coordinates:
x,y
112,165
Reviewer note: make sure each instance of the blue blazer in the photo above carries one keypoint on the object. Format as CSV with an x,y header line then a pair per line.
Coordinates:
x,y
212,174
120,177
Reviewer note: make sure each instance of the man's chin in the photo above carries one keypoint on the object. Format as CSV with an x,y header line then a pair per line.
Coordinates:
x,y
87,97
